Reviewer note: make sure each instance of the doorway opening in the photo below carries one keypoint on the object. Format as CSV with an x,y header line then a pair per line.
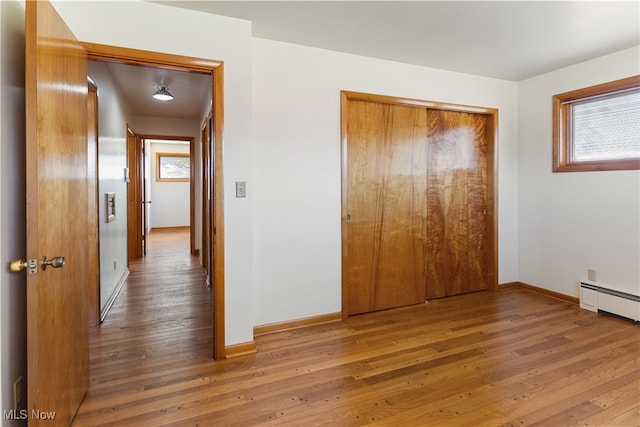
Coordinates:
x,y
163,193
209,217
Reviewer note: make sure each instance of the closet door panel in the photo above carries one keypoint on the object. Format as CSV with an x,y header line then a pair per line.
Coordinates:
x,y
457,203
386,206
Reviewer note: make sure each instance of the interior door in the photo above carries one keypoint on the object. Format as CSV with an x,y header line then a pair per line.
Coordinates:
x,y
56,181
145,199
134,208
386,206
457,232
206,201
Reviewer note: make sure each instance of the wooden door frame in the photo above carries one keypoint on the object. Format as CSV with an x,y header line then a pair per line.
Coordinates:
x,y
205,253
492,172
93,210
134,234
99,52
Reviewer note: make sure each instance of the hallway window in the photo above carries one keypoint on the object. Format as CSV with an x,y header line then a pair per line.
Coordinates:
x,y
173,167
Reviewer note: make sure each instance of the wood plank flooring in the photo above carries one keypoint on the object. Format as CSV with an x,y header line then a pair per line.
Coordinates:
x,y
510,358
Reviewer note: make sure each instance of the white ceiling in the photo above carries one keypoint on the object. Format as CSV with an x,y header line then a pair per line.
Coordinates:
x,y
138,83
511,40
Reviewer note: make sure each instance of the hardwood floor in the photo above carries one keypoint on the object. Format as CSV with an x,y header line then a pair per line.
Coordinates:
x,y
510,358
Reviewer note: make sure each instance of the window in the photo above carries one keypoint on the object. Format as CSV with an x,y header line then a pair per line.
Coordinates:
x,y
173,167
597,128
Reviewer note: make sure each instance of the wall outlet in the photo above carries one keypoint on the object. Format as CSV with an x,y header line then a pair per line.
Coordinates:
x,y
17,393
591,275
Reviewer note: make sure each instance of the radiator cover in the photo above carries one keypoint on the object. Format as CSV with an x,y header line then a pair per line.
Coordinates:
x,y
595,297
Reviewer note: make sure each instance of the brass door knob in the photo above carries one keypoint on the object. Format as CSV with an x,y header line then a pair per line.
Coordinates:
x,y
31,265
18,265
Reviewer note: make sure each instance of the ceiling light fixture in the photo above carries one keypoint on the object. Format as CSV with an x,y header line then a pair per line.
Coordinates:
x,y
162,94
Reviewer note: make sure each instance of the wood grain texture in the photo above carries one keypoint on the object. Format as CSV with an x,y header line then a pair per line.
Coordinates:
x,y
56,162
386,205
297,323
239,350
93,211
478,359
457,248
134,197
217,183
419,202
205,171
543,291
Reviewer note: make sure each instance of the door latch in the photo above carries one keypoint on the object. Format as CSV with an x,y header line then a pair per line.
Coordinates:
x,y
55,262
20,264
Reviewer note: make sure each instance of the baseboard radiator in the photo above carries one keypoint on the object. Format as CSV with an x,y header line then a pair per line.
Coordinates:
x,y
598,298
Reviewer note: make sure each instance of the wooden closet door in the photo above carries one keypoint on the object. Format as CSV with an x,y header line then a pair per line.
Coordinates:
x,y
457,235
386,206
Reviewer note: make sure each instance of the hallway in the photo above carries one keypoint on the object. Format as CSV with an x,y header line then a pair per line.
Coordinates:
x,y
160,321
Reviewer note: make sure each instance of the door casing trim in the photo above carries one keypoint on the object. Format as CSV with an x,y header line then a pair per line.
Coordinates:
x,y
215,68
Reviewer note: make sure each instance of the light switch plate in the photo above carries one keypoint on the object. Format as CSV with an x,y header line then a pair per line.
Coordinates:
x,y
241,189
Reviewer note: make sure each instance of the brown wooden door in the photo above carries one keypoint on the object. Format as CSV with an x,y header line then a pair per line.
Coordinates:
x,y
145,198
206,201
56,163
416,202
457,231
134,206
386,206
93,209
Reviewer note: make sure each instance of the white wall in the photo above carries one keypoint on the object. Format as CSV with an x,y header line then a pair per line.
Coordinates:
x,y
282,242
573,221
13,305
162,126
113,116
297,176
160,28
170,207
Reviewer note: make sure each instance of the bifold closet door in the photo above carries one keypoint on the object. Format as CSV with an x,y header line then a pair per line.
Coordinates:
x,y
386,207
